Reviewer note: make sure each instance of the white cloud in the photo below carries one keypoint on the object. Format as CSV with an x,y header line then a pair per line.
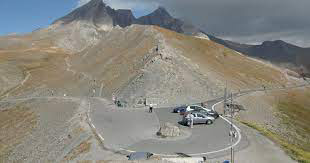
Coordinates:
x,y
300,38
249,21
137,6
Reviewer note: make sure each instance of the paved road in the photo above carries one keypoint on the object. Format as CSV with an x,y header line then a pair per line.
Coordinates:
x,y
122,127
135,130
203,138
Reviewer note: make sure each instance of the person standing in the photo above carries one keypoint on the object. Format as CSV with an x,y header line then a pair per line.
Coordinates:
x,y
187,116
151,108
192,120
113,98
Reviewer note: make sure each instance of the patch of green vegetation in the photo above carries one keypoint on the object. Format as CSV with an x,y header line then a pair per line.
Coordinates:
x,y
295,114
295,152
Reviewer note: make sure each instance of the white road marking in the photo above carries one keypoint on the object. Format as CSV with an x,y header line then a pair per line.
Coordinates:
x,y
101,138
130,151
206,153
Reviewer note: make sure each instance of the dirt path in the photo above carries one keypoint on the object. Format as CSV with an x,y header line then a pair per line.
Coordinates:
x,y
69,66
18,86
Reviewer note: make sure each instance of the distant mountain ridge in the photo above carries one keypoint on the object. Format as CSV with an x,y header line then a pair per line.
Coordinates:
x,y
96,12
278,52
103,17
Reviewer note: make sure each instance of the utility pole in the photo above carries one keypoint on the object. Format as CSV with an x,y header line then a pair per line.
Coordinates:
x,y
225,99
231,128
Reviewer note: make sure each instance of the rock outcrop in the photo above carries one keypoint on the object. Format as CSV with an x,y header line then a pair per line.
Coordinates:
x,y
162,18
168,130
96,16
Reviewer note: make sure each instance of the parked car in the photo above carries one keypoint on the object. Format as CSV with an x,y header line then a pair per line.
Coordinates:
x,y
179,109
196,107
139,156
199,118
191,108
212,113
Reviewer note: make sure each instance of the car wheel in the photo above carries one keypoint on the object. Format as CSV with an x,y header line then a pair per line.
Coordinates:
x,y
209,122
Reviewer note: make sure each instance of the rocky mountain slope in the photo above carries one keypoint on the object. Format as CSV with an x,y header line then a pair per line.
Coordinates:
x,y
97,15
104,18
88,54
136,62
277,52
160,17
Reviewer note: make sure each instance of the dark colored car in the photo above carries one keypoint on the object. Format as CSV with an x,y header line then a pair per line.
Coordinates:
x,y
181,109
139,156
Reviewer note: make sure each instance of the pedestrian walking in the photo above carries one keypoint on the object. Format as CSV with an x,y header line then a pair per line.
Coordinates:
x,y
151,108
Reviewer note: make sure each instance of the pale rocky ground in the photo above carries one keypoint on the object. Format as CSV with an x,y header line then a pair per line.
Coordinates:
x,y
14,76
55,70
50,129
120,61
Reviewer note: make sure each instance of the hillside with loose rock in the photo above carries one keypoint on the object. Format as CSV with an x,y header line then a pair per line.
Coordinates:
x,y
49,75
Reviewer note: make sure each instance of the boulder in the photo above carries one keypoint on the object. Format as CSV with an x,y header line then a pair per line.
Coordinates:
x,y
169,130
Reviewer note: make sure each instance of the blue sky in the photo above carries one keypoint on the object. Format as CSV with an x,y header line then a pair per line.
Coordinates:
x,y
245,21
22,16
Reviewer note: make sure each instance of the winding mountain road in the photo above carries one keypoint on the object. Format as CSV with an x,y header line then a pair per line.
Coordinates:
x,y
129,130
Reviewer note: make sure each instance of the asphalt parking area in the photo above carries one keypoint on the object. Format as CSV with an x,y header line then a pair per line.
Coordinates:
x,y
122,127
134,130
203,138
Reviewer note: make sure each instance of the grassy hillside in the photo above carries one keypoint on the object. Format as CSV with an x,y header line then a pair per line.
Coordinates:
x,y
282,116
295,109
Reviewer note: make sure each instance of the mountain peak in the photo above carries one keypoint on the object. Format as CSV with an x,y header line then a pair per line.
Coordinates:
x,y
275,43
88,12
161,11
161,8
96,2
99,15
